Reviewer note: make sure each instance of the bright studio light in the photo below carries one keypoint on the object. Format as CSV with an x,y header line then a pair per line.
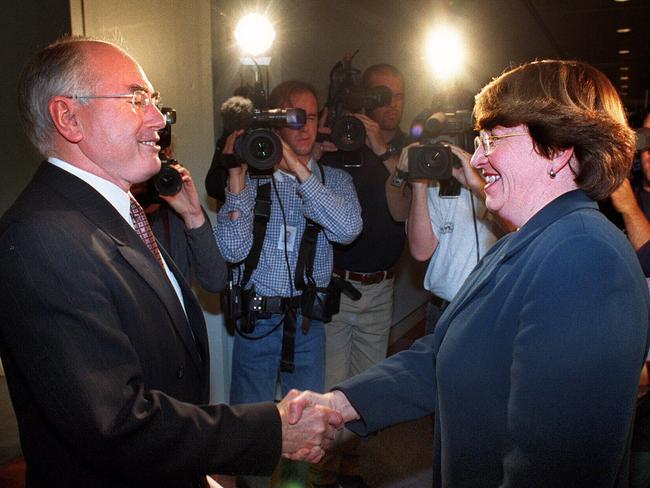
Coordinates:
x,y
254,34
444,52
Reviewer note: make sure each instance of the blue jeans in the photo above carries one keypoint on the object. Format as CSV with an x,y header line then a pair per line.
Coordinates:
x,y
255,363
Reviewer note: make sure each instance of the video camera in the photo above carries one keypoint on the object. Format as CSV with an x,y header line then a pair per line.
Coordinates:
x,y
346,96
433,159
259,146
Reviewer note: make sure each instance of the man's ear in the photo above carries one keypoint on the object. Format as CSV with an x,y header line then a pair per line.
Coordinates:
x,y
63,112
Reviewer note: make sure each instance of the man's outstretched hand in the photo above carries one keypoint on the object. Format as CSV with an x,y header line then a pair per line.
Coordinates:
x,y
309,430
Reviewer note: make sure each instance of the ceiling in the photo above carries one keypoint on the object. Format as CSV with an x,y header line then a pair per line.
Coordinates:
x,y
597,31
521,30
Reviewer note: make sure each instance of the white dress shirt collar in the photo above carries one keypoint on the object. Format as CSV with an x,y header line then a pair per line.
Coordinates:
x,y
110,191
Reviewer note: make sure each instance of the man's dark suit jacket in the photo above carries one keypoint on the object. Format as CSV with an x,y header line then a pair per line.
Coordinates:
x,y
108,378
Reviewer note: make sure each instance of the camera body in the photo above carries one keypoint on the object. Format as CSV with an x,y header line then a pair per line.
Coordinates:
x,y
167,181
260,146
348,132
346,97
431,162
433,159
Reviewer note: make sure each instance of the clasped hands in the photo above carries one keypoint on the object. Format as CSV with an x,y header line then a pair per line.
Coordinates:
x,y
310,422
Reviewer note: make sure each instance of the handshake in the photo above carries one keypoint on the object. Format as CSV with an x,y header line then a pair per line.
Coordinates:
x,y
310,422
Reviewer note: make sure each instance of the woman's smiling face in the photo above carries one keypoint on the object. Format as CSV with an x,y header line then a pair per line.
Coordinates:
x,y
516,175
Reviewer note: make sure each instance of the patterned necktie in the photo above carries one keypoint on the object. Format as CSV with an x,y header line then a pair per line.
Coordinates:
x,y
143,229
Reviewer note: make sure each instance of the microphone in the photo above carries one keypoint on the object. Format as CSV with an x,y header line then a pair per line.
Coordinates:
x,y
237,113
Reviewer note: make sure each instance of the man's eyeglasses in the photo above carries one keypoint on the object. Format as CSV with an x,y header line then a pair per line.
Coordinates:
x,y
486,140
140,99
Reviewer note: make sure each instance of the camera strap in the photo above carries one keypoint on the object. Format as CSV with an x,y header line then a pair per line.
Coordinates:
x,y
287,364
307,252
304,265
260,222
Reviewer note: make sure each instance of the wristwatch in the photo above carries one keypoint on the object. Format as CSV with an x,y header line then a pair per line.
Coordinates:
x,y
390,151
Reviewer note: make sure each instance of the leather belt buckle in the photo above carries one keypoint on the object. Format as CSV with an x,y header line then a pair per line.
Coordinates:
x,y
365,278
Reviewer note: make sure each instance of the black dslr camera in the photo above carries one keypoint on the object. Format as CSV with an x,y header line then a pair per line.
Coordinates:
x,y
259,146
168,181
345,96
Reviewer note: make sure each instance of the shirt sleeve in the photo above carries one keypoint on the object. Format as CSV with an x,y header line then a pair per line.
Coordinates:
x,y
235,237
335,205
208,264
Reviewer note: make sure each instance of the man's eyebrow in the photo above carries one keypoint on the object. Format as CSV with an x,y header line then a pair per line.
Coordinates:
x,y
136,87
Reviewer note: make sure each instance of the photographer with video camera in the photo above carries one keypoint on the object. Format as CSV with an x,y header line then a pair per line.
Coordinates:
x,y
367,133
448,221
277,230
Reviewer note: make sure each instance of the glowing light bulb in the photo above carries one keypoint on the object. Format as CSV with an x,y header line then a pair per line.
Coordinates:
x,y
254,34
445,52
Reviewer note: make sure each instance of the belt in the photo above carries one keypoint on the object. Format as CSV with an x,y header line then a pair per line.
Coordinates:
x,y
273,304
365,278
441,303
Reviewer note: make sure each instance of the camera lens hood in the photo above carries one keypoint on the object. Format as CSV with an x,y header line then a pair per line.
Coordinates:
x,y
167,181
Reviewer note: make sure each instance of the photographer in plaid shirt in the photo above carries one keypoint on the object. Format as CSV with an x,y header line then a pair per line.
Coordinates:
x,y
300,189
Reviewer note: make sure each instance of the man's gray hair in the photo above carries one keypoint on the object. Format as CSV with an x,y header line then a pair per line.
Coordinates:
x,y
59,69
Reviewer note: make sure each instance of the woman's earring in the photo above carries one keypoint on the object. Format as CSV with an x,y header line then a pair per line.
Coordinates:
x,y
552,173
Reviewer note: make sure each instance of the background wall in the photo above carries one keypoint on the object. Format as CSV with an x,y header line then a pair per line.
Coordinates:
x,y
24,26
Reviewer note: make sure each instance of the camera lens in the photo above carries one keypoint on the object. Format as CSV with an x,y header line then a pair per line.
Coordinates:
x,y
260,148
430,162
168,181
348,133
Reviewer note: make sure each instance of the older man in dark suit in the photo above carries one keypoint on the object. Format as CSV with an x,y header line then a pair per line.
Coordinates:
x,y
104,344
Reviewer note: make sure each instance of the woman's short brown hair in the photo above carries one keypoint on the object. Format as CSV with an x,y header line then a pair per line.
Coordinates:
x,y
565,104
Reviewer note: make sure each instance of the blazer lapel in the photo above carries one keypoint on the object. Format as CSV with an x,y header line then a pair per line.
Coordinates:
x,y
99,211
193,313
510,245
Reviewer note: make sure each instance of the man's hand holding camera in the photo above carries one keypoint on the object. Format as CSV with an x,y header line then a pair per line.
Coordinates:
x,y
465,173
186,202
236,172
290,163
374,138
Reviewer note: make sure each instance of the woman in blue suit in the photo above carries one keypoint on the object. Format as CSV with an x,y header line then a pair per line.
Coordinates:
x,y
532,371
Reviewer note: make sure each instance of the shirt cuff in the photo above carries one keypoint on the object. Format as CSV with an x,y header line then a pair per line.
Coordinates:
x,y
309,188
243,202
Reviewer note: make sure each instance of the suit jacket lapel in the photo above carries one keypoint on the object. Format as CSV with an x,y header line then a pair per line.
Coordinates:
x,y
194,318
101,213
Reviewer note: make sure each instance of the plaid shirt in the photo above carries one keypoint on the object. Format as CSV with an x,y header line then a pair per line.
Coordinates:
x,y
334,206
